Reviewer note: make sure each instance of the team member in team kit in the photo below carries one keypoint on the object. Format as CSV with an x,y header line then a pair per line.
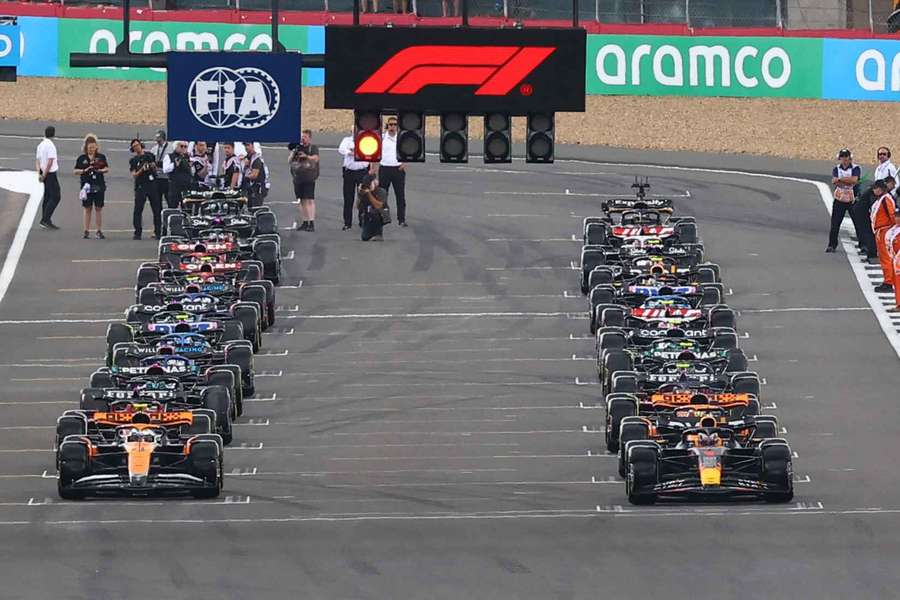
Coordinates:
x,y
200,167
143,170
353,173
844,177
254,175
177,165
305,171
231,167
46,165
892,243
883,218
392,171
91,167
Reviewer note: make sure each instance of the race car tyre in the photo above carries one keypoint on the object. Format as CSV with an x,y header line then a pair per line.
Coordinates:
x,y
722,316
166,212
116,333
216,398
101,379
206,463
169,239
270,299
123,358
590,257
229,376
267,253
766,427
618,406
623,382
248,317
613,316
615,361
710,295
232,331
589,221
610,339
266,223
257,295
173,259
642,462
777,470
686,232
253,270
68,425
72,463
724,338
175,225
243,358
753,407
737,361
745,382
713,268
595,233
134,314
631,429
146,276
149,297
202,421
90,402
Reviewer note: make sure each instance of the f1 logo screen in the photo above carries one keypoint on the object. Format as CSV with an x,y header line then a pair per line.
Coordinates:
x,y
435,69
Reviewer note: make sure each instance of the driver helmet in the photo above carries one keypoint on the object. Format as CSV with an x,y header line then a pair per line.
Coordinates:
x,y
708,440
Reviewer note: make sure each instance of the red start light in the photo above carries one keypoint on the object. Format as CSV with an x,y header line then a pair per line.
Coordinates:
x,y
368,146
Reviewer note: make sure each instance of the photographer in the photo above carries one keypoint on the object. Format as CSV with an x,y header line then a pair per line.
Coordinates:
x,y
91,167
304,171
159,154
200,170
177,165
371,199
143,169
254,176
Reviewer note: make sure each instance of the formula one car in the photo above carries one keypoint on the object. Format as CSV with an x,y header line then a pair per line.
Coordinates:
x,y
741,394
636,296
677,263
668,419
226,290
657,315
194,347
226,210
665,350
232,272
138,454
189,375
708,463
181,252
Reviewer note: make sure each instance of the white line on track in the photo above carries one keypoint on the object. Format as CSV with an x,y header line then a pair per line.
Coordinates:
x,y
806,309
446,457
20,182
533,240
36,379
448,433
433,315
460,408
112,260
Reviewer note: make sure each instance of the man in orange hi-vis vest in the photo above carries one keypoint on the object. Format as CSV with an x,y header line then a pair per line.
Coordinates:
x,y
892,241
883,219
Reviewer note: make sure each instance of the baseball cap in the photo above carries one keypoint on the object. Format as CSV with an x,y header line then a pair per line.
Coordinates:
x,y
844,152
368,178
161,134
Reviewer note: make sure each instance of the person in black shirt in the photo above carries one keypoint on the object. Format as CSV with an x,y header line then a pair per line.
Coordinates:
x,y
177,165
143,170
200,166
304,162
231,168
254,182
90,167
371,199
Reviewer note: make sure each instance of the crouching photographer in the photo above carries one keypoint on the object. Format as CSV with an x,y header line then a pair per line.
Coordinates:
x,y
372,203
177,166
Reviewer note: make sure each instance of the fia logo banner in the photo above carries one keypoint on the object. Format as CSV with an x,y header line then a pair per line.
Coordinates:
x,y
247,97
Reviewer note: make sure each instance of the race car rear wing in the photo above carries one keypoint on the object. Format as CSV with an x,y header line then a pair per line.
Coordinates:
x,y
618,205
156,417
712,398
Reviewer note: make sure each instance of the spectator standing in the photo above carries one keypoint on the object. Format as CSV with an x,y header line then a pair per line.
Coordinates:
x,y
91,167
364,6
844,177
401,6
372,199
47,164
143,170
444,4
254,175
392,171
305,171
177,165
353,173
883,218
162,178
231,168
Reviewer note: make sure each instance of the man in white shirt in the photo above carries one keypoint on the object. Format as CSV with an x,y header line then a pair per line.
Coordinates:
x,y
392,171
353,172
47,164
863,206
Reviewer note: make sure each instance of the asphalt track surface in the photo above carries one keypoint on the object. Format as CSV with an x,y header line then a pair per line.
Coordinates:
x,y
425,423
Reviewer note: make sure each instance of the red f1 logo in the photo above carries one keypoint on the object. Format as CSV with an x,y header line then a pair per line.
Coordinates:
x,y
496,69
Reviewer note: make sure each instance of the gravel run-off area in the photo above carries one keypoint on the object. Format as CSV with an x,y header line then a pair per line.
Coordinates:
x,y
808,129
